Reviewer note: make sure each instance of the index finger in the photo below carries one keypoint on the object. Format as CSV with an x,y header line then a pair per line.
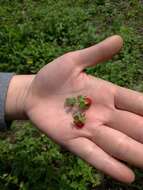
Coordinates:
x,y
129,100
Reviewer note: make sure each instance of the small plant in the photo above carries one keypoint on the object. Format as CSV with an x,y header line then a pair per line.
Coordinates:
x,y
82,103
79,119
71,101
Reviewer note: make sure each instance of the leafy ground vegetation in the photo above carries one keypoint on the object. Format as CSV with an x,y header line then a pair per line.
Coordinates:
x,y
34,32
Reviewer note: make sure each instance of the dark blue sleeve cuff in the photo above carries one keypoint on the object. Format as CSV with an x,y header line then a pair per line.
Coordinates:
x,y
4,83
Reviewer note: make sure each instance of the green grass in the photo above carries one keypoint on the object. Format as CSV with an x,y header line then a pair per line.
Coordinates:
x,y
32,33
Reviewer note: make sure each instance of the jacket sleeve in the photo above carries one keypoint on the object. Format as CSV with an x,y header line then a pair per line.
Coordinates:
x,y
4,83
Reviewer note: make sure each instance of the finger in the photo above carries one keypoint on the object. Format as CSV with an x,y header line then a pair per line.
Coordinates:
x,y
129,100
100,52
128,123
118,145
95,156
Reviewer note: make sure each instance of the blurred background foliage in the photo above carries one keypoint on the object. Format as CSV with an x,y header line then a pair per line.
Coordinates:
x,y
33,33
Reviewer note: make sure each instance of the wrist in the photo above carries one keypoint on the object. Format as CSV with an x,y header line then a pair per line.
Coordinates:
x,y
16,96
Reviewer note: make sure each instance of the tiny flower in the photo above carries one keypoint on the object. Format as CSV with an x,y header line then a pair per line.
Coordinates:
x,y
30,61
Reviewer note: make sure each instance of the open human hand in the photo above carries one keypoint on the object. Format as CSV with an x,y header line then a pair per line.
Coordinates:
x,y
113,131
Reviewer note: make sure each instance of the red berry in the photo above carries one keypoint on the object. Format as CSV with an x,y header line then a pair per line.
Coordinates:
x,y
88,101
79,124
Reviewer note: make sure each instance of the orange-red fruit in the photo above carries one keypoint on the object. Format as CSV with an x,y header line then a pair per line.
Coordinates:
x,y
79,124
88,101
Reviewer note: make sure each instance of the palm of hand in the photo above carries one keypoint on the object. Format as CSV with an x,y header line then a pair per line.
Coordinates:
x,y
98,142
55,118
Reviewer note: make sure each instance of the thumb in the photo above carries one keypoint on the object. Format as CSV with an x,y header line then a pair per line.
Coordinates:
x,y
99,52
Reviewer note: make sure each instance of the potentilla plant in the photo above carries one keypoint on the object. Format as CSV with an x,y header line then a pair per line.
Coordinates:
x,y
82,103
79,119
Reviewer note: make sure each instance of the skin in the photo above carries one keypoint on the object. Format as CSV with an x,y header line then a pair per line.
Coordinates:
x,y
113,131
